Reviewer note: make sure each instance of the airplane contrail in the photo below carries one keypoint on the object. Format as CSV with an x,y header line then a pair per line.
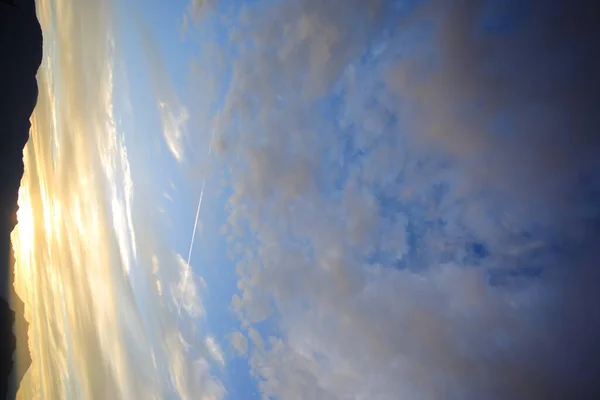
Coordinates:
x,y
189,258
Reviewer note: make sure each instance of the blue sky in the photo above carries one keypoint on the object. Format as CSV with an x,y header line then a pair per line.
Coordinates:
x,y
400,197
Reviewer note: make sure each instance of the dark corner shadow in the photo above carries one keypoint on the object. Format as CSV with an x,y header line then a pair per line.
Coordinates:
x,y
20,57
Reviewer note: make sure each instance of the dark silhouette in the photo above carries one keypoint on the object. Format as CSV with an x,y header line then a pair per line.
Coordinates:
x,y
12,3
20,57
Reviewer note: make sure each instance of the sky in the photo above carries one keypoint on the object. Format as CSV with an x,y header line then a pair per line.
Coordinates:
x,y
277,199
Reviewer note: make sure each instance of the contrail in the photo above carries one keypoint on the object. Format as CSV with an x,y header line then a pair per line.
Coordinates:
x,y
189,258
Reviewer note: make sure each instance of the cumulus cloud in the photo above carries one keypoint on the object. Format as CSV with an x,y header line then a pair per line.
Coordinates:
x,y
388,164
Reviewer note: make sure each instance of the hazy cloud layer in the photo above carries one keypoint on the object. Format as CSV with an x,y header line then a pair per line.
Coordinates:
x,y
413,200
100,286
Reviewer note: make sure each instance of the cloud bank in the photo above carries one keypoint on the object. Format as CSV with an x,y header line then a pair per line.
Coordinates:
x,y
100,285
414,197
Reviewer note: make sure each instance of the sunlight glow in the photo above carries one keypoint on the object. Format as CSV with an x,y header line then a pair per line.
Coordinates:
x,y
90,334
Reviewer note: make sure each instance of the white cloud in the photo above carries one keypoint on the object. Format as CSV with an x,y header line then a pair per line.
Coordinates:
x,y
214,350
239,343
198,8
188,289
174,123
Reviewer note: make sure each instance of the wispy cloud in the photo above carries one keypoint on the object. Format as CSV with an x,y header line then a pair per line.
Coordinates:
x,y
187,292
214,350
198,8
239,343
173,114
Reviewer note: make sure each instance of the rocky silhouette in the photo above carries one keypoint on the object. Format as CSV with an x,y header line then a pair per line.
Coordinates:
x,y
20,58
12,3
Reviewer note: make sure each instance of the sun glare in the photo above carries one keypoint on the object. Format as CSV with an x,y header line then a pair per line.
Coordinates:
x,y
23,233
